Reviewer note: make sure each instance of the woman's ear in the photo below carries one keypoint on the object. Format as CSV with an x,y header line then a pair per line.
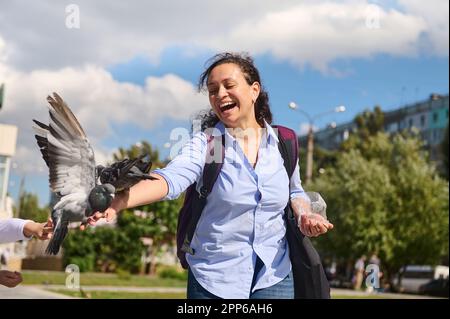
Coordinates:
x,y
256,89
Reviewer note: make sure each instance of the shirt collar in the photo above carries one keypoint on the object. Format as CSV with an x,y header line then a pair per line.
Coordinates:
x,y
219,129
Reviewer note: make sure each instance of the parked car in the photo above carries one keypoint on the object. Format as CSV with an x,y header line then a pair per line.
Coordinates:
x,y
437,287
412,277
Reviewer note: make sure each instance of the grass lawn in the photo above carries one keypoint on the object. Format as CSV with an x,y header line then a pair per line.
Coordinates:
x,y
98,279
121,294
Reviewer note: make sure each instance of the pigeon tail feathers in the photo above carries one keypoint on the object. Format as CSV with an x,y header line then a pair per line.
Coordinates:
x,y
57,239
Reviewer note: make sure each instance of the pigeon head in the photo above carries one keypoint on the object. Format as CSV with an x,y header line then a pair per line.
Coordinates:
x,y
101,197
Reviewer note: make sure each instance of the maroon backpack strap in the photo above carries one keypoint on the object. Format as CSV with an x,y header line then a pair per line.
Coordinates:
x,y
288,146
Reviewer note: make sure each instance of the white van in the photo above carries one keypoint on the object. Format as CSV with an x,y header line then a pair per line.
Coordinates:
x,y
414,276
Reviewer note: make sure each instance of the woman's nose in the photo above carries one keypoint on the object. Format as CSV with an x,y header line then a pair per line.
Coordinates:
x,y
221,92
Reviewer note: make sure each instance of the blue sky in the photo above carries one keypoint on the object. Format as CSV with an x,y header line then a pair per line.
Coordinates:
x,y
384,80
130,72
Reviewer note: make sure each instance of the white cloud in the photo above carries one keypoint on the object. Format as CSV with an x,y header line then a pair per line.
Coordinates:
x,y
319,33
114,31
303,32
96,99
436,17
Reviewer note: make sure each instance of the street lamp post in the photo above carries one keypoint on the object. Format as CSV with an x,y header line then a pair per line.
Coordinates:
x,y
310,136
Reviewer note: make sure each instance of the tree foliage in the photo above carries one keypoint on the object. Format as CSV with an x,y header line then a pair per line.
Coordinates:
x,y
322,158
367,124
28,208
385,196
104,249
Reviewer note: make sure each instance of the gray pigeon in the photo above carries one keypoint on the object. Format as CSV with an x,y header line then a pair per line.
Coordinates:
x,y
72,173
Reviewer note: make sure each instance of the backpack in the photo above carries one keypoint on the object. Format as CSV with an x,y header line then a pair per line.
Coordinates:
x,y
309,276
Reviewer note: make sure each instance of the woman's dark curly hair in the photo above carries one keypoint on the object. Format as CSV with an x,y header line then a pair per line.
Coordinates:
x,y
245,62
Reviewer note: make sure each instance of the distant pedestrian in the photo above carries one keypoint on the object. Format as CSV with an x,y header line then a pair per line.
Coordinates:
x,y
359,272
374,260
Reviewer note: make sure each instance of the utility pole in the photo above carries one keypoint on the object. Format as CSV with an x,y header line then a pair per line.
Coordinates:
x,y
310,145
309,154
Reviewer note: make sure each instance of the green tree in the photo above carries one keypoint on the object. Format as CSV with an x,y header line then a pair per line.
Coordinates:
x,y
386,197
160,223
28,208
157,221
322,158
104,249
368,124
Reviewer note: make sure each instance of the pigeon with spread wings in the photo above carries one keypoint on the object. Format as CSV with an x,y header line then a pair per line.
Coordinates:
x,y
73,176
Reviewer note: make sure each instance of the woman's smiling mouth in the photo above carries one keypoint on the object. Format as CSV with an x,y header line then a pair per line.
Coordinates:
x,y
227,106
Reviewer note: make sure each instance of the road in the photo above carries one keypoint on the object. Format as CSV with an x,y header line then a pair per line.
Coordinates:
x,y
28,292
39,292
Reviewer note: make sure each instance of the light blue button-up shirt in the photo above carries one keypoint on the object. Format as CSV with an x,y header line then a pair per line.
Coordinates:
x,y
243,217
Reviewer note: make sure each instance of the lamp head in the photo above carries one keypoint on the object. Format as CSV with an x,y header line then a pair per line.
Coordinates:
x,y
292,105
340,108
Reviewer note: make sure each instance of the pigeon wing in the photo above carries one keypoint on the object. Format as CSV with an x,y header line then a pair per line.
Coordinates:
x,y
66,151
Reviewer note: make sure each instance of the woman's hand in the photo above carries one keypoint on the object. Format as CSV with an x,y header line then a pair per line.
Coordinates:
x,y
310,224
110,214
43,231
119,203
313,225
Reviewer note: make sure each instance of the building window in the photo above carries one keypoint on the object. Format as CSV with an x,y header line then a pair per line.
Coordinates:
x,y
410,122
436,136
435,117
422,120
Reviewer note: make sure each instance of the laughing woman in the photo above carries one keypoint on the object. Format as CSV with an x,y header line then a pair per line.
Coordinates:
x,y
240,242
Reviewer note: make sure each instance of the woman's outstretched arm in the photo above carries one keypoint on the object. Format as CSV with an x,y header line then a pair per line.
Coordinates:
x,y
143,193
